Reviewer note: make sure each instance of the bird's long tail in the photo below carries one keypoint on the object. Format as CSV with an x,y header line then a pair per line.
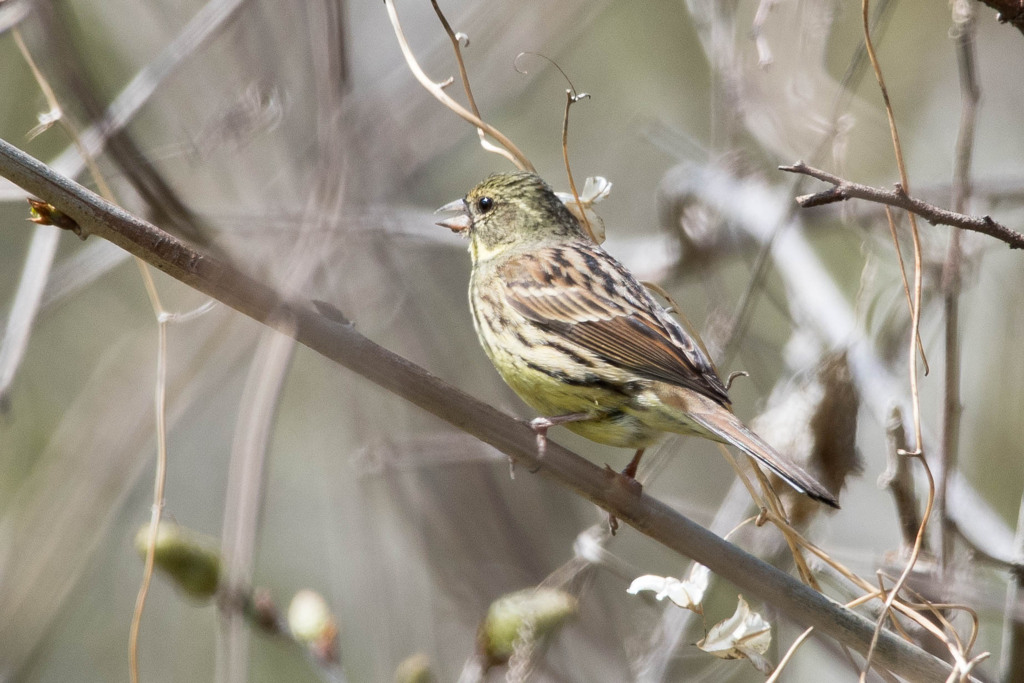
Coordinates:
x,y
722,423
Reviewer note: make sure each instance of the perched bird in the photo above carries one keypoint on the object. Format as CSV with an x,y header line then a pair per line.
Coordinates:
x,y
580,340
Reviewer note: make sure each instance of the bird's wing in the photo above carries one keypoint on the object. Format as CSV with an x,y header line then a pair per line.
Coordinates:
x,y
581,293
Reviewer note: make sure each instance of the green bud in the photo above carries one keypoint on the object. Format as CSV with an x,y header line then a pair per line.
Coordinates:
x,y
309,618
414,669
47,214
522,616
187,557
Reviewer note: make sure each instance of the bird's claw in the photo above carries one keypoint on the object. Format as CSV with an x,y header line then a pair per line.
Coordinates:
x,y
540,426
624,480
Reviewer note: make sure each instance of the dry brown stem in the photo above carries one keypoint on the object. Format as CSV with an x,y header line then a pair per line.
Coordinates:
x,y
437,90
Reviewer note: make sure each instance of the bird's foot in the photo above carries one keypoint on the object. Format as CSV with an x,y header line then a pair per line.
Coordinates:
x,y
541,425
625,479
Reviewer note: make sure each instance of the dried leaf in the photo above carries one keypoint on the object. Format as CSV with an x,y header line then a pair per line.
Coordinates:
x,y
687,593
595,189
744,635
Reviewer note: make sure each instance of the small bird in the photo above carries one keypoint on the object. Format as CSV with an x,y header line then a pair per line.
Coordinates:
x,y
581,340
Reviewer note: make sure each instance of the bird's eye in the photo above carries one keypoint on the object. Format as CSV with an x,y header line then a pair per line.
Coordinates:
x,y
485,204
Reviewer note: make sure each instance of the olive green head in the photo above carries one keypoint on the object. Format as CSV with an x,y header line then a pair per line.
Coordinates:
x,y
511,210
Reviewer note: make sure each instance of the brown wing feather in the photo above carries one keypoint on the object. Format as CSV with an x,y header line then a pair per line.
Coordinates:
x,y
584,295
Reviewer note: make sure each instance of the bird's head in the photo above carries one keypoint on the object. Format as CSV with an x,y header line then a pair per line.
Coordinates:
x,y
510,210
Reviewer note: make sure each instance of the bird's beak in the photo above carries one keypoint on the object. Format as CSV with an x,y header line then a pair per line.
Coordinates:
x,y
459,223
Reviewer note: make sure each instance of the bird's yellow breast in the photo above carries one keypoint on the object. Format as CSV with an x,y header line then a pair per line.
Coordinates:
x,y
550,378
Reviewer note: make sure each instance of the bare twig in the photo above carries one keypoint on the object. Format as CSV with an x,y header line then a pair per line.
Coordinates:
x,y
572,98
844,189
439,94
907,609
134,166
256,608
343,344
456,40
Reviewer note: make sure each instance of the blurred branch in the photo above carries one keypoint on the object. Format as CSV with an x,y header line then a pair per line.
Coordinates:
x,y
978,524
207,23
1010,12
949,448
844,189
340,342
71,69
27,300
243,500
1012,657
256,609
900,481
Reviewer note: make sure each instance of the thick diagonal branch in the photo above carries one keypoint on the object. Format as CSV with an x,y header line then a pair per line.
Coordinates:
x,y
341,343
844,189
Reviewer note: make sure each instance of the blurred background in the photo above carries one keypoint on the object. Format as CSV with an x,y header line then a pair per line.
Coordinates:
x,y
291,138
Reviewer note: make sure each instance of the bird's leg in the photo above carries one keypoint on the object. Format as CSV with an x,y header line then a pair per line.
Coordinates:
x,y
630,474
540,426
